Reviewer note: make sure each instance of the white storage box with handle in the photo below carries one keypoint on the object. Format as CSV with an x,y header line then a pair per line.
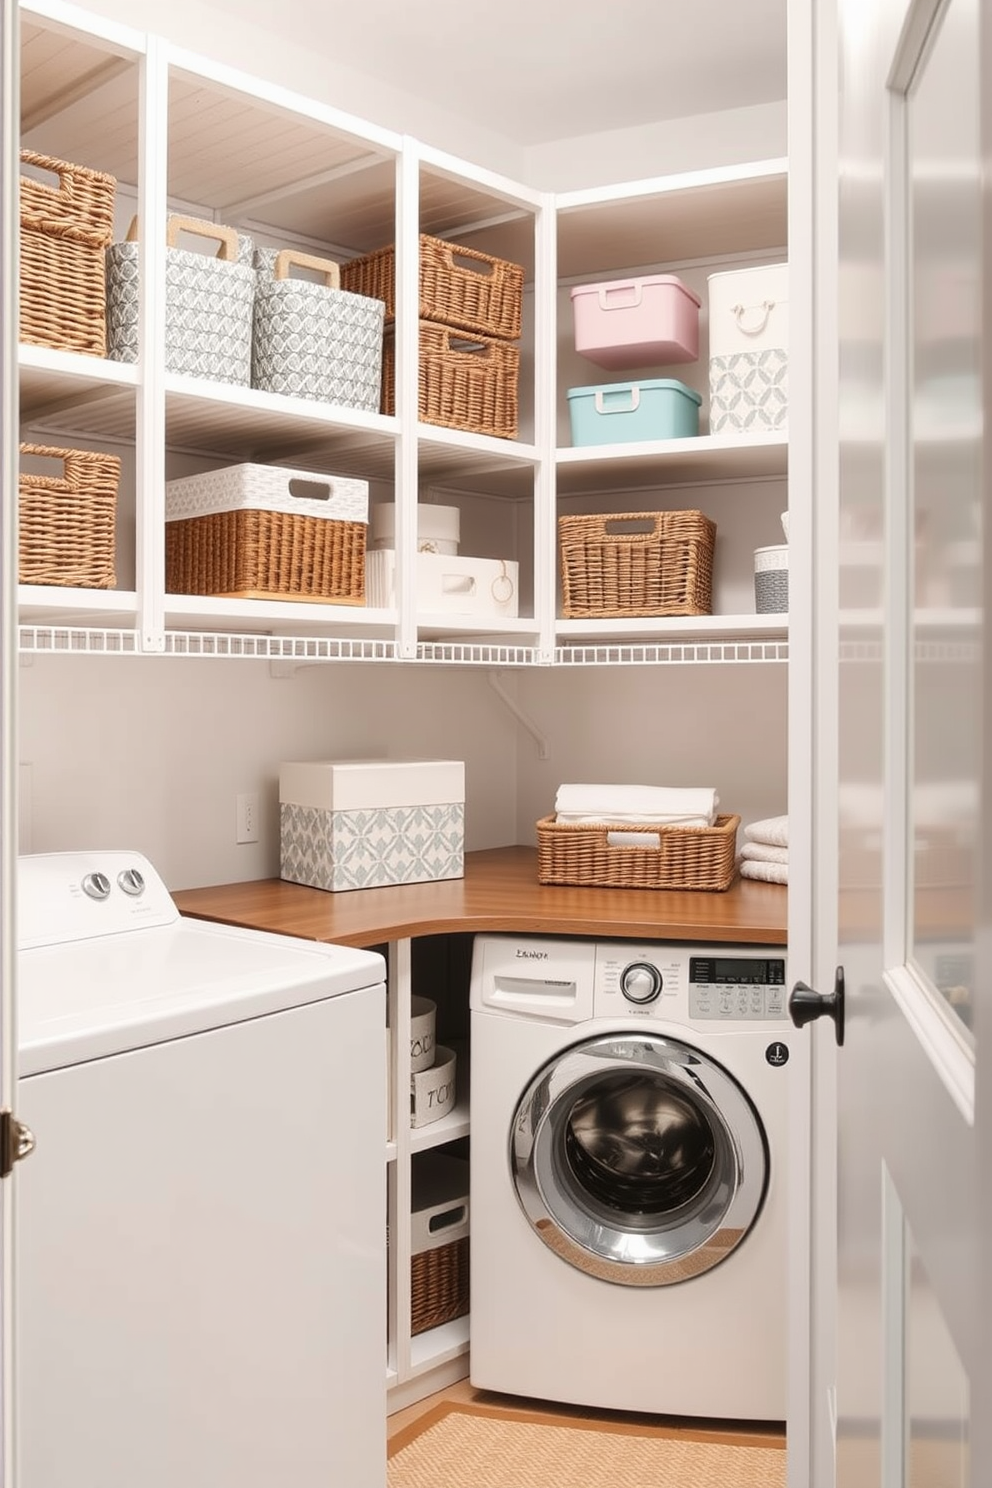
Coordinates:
x,y
484,587
362,824
749,350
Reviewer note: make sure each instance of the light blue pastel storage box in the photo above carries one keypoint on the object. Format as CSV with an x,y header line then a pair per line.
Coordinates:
x,y
624,412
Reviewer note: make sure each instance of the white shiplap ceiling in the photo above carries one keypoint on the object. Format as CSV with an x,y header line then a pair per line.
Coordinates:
x,y
536,71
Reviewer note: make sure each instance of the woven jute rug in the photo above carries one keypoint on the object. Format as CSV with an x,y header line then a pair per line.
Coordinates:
x,y
478,1446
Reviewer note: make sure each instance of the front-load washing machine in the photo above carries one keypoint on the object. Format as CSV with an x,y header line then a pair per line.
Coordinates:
x,y
628,1115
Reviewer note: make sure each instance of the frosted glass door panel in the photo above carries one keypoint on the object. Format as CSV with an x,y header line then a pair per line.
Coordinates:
x,y
945,416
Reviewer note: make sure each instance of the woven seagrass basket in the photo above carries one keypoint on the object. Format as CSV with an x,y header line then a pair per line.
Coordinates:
x,y
464,382
458,287
66,523
66,229
439,1286
636,564
255,554
594,854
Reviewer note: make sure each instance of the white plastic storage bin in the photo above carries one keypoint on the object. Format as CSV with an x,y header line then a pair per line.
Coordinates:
x,y
749,349
362,824
771,580
483,587
625,412
636,322
438,527
439,1236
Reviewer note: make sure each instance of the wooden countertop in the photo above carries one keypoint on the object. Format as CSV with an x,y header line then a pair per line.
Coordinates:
x,y
499,892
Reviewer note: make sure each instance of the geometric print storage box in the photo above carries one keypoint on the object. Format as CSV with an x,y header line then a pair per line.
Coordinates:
x,y
749,350
363,824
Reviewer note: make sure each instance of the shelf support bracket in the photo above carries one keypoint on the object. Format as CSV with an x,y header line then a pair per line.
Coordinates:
x,y
525,721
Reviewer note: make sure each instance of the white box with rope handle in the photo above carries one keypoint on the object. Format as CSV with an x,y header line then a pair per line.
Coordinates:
x,y
749,350
446,584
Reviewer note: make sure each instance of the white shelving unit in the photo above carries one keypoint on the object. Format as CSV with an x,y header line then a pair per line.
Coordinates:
x,y
182,134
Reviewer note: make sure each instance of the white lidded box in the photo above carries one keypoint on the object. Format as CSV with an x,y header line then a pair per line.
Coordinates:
x,y
771,580
447,586
438,527
363,824
433,1090
439,1200
628,412
749,349
634,322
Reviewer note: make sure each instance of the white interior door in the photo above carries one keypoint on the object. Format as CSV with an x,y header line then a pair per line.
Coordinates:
x,y
913,810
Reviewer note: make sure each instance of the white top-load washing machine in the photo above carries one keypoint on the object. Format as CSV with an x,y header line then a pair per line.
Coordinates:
x,y
199,1269
629,1129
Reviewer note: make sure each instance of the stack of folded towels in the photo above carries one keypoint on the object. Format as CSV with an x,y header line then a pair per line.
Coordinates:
x,y
636,805
765,853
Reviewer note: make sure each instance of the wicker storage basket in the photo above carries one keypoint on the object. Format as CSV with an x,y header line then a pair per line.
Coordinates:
x,y
264,532
65,232
66,524
463,383
459,287
439,1286
685,857
314,340
636,563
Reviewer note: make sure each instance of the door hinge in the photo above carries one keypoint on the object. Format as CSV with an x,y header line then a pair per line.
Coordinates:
x,y
16,1142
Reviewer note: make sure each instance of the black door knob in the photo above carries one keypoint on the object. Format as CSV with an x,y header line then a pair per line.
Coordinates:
x,y
805,1004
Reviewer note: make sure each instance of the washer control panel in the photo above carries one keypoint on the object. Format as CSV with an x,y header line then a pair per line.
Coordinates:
x,y
730,984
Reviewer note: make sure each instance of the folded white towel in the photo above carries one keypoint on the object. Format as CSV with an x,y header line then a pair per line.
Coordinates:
x,y
773,831
759,852
769,872
651,804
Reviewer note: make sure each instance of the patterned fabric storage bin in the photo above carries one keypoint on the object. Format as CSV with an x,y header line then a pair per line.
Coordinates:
x,y
634,322
67,222
208,302
749,349
459,287
67,521
266,532
622,412
313,339
361,824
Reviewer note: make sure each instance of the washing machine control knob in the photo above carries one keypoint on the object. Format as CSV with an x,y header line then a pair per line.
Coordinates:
x,y
640,982
95,885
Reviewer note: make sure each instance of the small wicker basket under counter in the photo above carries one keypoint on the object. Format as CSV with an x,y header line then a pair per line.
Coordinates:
x,y
439,1263
684,858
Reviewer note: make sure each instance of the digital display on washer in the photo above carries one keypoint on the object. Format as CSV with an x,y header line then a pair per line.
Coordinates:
x,y
737,971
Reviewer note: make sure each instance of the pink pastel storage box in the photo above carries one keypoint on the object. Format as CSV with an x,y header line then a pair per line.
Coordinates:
x,y
636,322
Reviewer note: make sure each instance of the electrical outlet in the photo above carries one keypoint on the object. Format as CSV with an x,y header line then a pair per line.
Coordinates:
x,y
247,817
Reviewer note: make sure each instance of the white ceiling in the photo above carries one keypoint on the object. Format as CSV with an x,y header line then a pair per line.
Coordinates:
x,y
536,71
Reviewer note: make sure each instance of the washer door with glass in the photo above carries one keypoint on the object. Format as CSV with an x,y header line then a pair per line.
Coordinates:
x,y
638,1160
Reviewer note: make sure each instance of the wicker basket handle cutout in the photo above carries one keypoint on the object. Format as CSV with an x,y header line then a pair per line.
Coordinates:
x,y
77,466
287,258
465,261
632,529
225,236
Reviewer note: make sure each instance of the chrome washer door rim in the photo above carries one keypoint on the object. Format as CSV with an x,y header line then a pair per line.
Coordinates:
x,y
638,1248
